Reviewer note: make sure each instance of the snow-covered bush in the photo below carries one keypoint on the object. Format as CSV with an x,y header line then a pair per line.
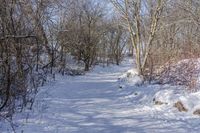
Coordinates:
x,y
185,72
132,77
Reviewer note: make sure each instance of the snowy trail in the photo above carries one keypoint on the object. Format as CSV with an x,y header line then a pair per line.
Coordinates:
x,y
93,103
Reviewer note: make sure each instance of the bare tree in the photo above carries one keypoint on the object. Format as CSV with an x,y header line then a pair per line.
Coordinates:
x,y
133,12
83,31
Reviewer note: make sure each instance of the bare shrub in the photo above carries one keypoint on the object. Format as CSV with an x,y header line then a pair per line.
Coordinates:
x,y
184,72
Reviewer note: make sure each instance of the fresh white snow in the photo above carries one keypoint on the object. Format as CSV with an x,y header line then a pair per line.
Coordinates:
x,y
105,101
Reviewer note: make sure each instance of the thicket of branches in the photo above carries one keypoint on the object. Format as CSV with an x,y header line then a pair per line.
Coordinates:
x,y
37,37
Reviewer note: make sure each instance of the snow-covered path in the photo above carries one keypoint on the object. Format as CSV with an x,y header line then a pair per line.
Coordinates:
x,y
94,103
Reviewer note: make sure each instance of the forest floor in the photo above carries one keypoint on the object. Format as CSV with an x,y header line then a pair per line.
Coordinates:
x,y
99,103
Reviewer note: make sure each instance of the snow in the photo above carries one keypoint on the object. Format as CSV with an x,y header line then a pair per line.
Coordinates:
x,y
107,100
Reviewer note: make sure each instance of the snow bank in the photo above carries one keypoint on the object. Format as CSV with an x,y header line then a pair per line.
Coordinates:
x,y
191,101
131,77
164,96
